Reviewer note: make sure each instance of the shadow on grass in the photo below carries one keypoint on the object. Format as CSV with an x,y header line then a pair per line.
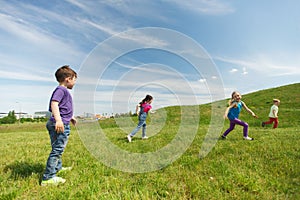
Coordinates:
x,y
24,169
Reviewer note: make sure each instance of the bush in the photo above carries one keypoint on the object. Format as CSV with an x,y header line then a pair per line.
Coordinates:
x,y
9,119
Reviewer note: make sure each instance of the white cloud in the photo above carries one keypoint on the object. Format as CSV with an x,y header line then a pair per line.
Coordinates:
x,y
233,70
79,4
23,34
24,76
264,65
212,7
244,71
104,28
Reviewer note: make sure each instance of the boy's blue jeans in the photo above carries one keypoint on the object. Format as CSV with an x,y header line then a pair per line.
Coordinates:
x,y
142,123
58,142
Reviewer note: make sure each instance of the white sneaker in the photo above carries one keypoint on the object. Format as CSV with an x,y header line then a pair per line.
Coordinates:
x,y
53,181
248,138
144,138
129,138
66,169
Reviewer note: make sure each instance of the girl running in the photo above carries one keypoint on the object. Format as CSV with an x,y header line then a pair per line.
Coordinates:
x,y
232,113
144,106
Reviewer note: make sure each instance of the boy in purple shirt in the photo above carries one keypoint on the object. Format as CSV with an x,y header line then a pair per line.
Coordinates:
x,y
58,126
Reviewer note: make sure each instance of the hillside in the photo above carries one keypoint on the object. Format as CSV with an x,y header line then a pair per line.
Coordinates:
x,y
260,102
266,168
289,109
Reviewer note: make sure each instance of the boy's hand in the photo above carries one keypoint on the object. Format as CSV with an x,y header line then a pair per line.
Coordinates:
x,y
74,121
254,115
59,127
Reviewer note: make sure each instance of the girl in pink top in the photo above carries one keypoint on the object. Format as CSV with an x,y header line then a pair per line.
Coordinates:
x,y
144,107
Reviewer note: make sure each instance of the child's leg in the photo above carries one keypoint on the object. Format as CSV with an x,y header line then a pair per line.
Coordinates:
x,y
142,121
244,124
144,130
53,138
58,143
140,124
275,123
270,121
59,165
231,127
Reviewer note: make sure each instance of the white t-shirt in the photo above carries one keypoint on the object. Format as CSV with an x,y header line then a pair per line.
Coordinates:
x,y
275,108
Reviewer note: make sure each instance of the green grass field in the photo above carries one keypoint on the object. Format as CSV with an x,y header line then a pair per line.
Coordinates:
x,y
266,168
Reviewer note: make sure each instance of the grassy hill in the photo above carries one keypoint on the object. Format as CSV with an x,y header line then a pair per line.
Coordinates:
x,y
266,168
289,108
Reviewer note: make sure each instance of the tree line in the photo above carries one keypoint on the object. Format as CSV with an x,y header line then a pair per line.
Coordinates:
x,y
11,119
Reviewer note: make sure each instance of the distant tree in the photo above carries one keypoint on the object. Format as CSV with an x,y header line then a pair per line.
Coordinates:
x,y
9,119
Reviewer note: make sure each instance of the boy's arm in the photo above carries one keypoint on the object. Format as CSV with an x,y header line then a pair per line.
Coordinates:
x,y
74,121
249,110
275,113
59,125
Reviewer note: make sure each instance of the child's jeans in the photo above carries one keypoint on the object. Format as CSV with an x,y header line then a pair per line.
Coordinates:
x,y
142,123
58,143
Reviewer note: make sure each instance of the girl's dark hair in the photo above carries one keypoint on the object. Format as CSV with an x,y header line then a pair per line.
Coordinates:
x,y
147,98
64,72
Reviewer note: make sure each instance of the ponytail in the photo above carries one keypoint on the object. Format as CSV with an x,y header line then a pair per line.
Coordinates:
x,y
146,99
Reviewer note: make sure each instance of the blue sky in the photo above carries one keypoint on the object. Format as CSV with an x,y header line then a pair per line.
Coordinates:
x,y
254,45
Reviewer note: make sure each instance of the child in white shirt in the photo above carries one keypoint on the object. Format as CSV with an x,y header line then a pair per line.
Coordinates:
x,y
273,115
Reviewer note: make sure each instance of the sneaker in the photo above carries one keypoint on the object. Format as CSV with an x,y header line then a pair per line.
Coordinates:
x,y
129,138
144,138
248,138
53,181
263,124
223,137
66,169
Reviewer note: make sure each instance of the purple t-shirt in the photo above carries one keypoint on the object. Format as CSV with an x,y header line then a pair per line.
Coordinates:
x,y
63,96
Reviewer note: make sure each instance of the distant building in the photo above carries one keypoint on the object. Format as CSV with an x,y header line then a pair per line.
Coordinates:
x,y
42,114
20,115
3,115
88,115
98,116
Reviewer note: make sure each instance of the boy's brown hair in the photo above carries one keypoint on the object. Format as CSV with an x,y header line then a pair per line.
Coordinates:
x,y
65,72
